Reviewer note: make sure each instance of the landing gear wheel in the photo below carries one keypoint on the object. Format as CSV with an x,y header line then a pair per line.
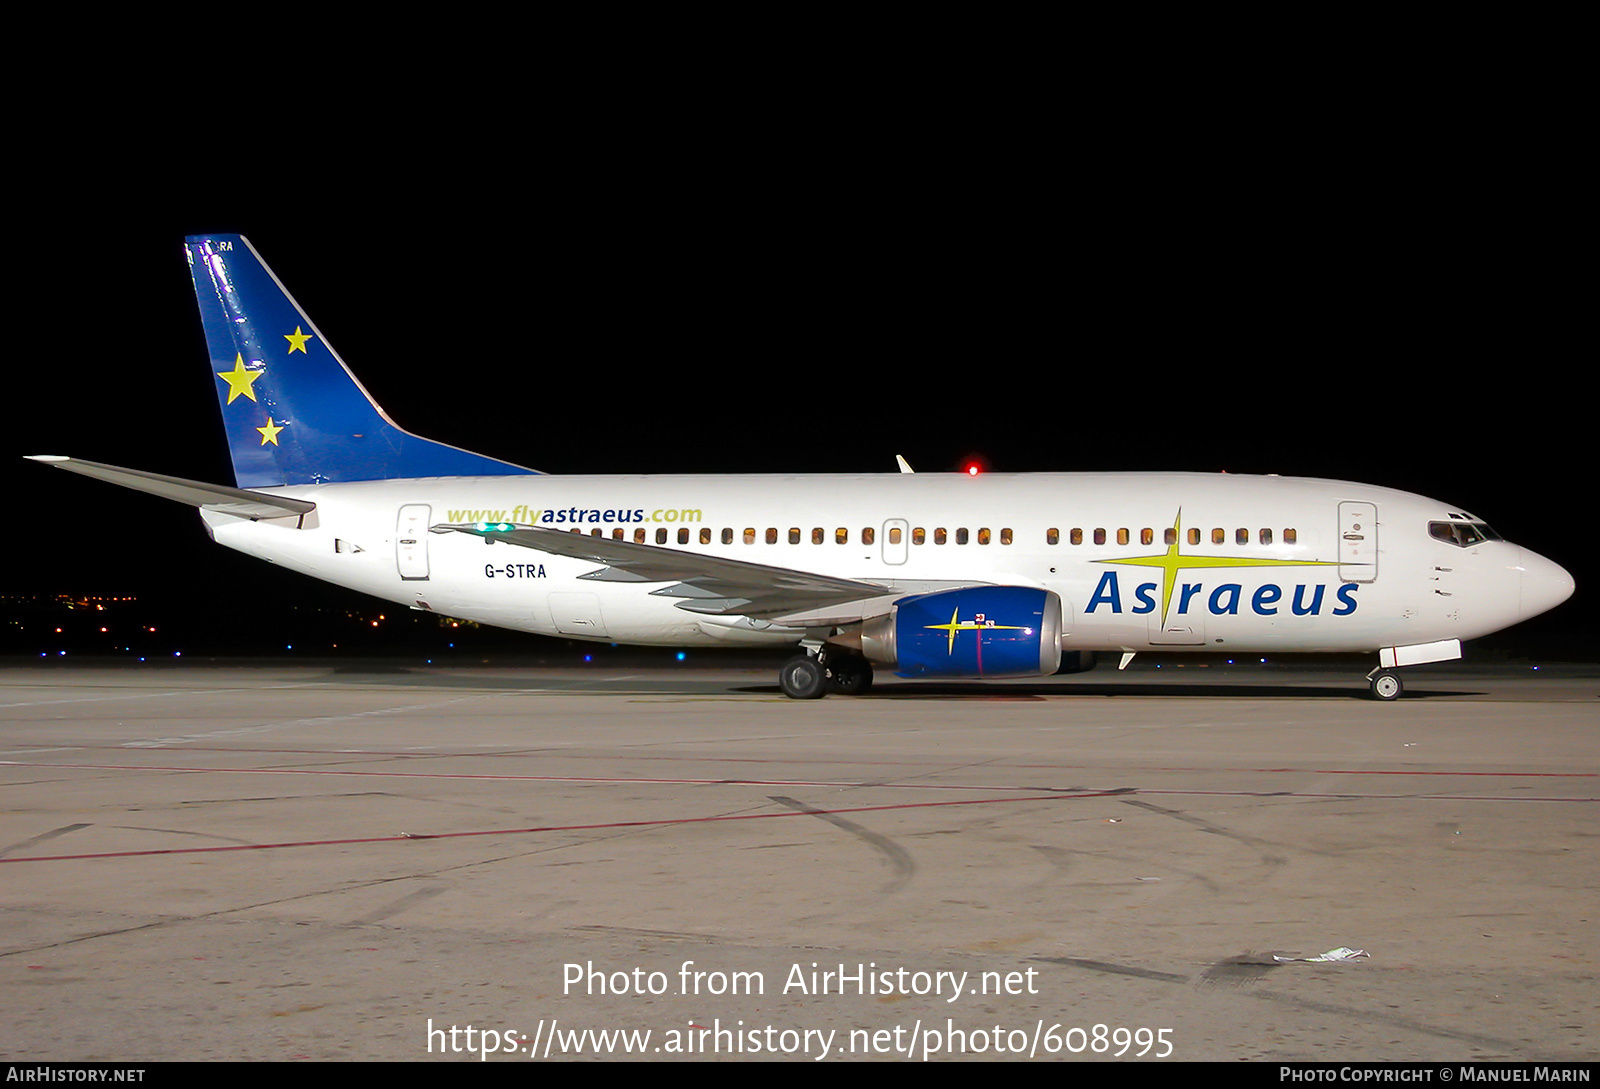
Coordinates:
x,y
803,678
849,675
1386,686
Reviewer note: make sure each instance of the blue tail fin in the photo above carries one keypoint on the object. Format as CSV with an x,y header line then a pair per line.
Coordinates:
x,y
294,412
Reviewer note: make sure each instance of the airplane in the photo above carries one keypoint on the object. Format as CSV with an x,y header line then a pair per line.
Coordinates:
x,y
932,575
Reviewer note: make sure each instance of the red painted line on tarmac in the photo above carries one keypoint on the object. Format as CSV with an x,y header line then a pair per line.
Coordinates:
x,y
786,813
553,828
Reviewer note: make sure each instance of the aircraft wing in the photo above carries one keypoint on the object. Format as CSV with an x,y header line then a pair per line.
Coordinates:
x,y
713,585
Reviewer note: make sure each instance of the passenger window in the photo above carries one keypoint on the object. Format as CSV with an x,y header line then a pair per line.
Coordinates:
x,y
1194,535
705,534
961,535
919,536
983,536
772,534
727,535
1290,536
894,535
868,535
1169,536
794,534
1266,536
941,536
1122,536
1241,536
1147,535
1052,536
1076,536
841,536
683,535
750,535
638,536
817,535
1219,536
661,536
1099,536
1005,536
616,534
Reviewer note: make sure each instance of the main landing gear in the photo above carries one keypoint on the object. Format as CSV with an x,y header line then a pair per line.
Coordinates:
x,y
812,676
849,674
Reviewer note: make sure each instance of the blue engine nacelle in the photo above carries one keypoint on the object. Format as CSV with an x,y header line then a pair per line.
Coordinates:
x,y
979,631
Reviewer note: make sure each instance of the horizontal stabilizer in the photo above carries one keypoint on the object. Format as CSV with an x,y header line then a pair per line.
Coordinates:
x,y
196,493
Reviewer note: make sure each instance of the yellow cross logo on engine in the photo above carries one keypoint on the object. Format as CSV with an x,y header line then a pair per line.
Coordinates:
x,y
978,623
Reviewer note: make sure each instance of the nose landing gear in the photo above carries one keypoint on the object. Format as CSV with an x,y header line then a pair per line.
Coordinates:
x,y
1385,686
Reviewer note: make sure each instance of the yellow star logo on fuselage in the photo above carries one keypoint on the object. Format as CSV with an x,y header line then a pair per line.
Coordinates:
x,y
297,340
270,432
239,380
1172,561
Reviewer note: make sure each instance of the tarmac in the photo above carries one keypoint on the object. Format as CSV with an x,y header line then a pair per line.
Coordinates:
x,y
381,861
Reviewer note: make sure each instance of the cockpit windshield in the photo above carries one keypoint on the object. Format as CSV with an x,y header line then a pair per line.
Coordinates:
x,y
1462,534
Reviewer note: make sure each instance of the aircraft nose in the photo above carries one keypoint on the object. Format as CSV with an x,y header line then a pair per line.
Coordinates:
x,y
1545,584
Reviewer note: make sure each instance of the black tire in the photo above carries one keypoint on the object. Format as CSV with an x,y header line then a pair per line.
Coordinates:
x,y
803,678
1387,686
849,675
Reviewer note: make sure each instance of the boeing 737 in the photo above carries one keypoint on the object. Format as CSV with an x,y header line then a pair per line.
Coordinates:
x,y
929,575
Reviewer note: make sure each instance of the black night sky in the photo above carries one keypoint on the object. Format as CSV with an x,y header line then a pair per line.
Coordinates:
x,y
635,292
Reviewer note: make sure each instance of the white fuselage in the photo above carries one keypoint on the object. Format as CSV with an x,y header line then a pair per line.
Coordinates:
x,y
1140,560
